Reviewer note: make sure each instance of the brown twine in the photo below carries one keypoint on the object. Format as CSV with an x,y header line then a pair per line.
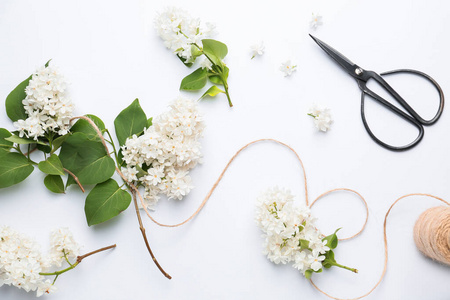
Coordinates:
x,y
432,234
431,231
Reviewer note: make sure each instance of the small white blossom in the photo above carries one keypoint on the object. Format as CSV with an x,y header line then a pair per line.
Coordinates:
x,y
316,262
316,21
46,288
46,104
288,68
180,32
166,151
130,173
257,49
322,117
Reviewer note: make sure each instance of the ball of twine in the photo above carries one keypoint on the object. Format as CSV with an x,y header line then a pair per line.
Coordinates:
x,y
432,234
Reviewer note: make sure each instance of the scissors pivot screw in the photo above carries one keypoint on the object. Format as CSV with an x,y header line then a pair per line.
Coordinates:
x,y
358,71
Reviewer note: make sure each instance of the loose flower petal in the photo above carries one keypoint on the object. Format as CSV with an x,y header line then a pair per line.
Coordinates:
x,y
322,117
316,21
257,49
288,68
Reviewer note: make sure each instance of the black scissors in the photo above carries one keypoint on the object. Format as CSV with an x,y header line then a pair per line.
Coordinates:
x,y
362,76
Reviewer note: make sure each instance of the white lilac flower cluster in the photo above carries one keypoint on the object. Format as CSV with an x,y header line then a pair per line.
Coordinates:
x,y
160,158
180,31
289,231
322,117
21,260
47,105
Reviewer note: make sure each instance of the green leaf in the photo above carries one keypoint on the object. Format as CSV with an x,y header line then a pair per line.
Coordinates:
x,y
14,168
23,141
120,157
13,103
215,50
59,141
131,120
212,92
87,159
54,183
216,79
308,273
329,260
44,148
48,62
149,122
105,201
86,128
51,166
194,81
195,52
332,239
4,144
304,244
330,256
141,172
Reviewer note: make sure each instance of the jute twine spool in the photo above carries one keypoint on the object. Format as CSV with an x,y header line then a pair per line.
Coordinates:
x,y
432,234
431,231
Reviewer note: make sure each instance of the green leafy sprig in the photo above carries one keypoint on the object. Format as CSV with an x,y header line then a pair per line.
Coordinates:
x,y
214,51
329,261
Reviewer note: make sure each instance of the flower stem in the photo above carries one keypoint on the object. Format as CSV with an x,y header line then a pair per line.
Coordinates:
x,y
57,273
345,267
206,55
27,154
75,178
116,155
79,259
141,227
67,259
225,85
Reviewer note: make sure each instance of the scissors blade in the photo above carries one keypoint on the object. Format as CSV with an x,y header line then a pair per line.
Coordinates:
x,y
344,62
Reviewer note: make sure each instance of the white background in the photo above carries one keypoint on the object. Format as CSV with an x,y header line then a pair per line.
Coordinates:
x,y
111,54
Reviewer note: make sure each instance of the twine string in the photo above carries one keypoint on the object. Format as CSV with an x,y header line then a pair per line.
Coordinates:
x,y
208,196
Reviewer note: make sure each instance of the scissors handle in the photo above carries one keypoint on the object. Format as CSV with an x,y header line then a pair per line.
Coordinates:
x,y
409,118
407,107
398,112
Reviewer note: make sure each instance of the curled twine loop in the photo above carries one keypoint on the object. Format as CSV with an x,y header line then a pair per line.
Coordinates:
x,y
431,231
